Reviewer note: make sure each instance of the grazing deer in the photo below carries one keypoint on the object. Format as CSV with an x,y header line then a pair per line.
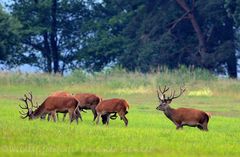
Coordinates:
x,y
182,116
107,107
52,104
62,94
89,102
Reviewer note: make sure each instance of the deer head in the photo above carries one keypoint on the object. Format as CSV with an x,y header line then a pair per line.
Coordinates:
x,y
29,112
164,102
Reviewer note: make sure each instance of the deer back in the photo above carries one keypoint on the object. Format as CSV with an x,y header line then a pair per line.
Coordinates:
x,y
188,115
112,105
59,103
87,100
60,93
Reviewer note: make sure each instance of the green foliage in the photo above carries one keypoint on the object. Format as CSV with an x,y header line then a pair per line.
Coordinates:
x,y
148,37
141,35
9,37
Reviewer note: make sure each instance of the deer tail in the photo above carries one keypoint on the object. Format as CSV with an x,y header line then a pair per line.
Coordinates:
x,y
126,105
209,114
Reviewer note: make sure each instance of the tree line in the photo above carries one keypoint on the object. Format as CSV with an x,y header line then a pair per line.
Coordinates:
x,y
143,35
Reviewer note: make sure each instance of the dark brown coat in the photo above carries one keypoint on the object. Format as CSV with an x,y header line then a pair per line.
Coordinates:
x,y
88,101
106,107
181,116
187,116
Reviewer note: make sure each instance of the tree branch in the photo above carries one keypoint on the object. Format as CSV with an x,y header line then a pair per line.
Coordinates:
x,y
175,22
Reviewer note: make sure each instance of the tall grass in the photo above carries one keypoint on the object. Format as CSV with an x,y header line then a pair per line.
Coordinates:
x,y
114,78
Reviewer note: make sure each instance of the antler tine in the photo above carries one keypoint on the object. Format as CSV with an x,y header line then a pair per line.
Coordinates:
x,y
165,89
23,117
22,107
25,100
30,99
158,95
182,90
172,94
22,113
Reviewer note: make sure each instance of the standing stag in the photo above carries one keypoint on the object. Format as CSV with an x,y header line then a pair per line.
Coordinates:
x,y
51,105
182,116
106,107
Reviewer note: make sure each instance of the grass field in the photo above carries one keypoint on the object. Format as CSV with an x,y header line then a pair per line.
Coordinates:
x,y
149,131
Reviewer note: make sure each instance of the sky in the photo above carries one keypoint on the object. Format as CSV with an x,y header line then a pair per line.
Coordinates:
x,y
5,1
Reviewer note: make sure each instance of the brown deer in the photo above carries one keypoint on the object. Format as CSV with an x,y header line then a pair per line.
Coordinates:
x,y
107,107
182,116
52,104
88,101
62,94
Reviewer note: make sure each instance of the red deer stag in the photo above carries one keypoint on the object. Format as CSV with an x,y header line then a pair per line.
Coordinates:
x,y
182,116
88,101
52,104
106,107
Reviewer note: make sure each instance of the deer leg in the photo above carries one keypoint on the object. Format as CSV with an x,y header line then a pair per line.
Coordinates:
x,y
94,114
49,116
71,115
123,117
57,116
64,116
104,118
108,118
78,114
98,117
76,118
53,114
125,120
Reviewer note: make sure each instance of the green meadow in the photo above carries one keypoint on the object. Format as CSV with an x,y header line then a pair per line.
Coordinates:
x,y
149,132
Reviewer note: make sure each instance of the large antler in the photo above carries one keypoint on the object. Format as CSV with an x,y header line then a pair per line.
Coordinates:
x,y
165,89
172,96
31,101
25,100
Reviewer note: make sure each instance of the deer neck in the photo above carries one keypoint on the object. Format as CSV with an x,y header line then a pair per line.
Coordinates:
x,y
38,112
169,112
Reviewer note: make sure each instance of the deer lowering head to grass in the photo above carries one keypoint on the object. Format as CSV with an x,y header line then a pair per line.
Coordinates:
x,y
88,101
60,94
181,116
51,105
107,107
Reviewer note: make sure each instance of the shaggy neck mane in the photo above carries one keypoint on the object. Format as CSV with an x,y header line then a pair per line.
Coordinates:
x,y
168,112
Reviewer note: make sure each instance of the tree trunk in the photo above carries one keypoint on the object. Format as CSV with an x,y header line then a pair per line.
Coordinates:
x,y
200,36
232,65
53,37
232,58
47,53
